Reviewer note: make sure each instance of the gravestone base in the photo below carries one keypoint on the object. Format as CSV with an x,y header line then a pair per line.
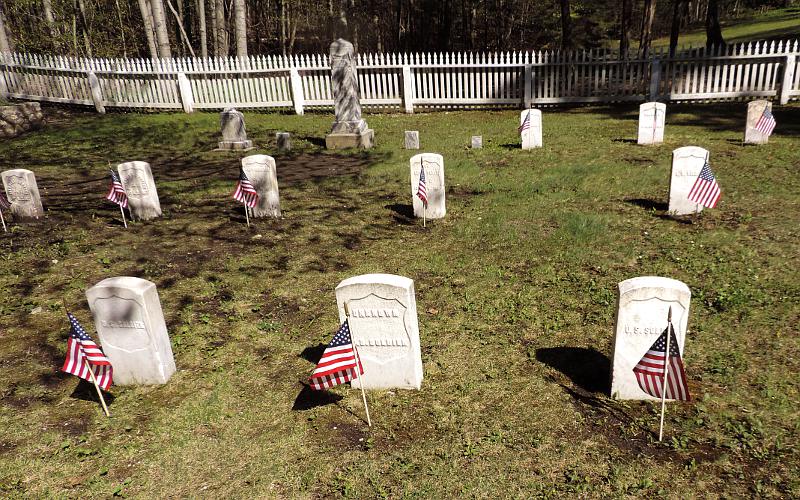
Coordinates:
x,y
235,145
364,140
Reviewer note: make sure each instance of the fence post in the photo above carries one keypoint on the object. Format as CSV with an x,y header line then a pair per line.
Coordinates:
x,y
96,91
655,78
527,97
185,89
789,67
408,90
298,98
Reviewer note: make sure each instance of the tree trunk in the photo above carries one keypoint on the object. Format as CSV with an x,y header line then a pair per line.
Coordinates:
x,y
47,7
160,23
214,43
201,27
147,22
713,30
121,29
283,26
87,42
5,36
625,28
566,25
179,22
678,12
647,27
240,19
221,35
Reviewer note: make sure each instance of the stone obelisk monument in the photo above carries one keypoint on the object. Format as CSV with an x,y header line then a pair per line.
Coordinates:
x,y
349,130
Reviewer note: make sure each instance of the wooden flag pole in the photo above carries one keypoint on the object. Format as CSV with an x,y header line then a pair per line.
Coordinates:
x,y
666,374
91,372
4,221
247,214
424,210
358,366
123,217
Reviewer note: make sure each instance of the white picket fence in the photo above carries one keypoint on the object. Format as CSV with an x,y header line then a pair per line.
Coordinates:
x,y
409,81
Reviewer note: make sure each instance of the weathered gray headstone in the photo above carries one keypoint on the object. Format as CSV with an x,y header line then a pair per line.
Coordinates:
x,y
23,193
284,141
477,142
434,185
754,111
532,132
412,139
686,165
132,331
234,135
651,122
137,179
261,171
384,329
642,307
349,130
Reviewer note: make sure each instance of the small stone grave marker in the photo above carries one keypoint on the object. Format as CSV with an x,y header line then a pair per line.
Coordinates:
x,y
651,122
23,194
284,140
434,184
642,306
137,179
686,165
477,142
754,112
412,139
261,171
531,133
384,328
234,135
133,334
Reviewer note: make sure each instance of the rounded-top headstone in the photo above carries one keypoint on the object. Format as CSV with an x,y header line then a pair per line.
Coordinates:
x,y
140,187
263,174
754,111
23,193
651,122
643,304
434,185
531,133
687,162
384,328
130,324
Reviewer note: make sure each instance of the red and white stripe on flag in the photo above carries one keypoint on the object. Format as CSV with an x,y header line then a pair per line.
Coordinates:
x,y
705,190
650,376
81,358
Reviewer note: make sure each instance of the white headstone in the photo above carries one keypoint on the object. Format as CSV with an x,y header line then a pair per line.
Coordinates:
x,y
477,142
132,331
284,140
434,185
23,193
261,171
383,324
532,135
642,307
412,139
651,122
686,165
754,111
234,135
137,179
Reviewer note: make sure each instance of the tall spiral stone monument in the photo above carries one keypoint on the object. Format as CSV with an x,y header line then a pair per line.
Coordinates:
x,y
349,130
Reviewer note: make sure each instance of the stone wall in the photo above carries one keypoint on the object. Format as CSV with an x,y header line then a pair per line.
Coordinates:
x,y
16,119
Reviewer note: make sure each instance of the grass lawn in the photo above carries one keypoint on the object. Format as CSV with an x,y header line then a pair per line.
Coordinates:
x,y
516,298
777,24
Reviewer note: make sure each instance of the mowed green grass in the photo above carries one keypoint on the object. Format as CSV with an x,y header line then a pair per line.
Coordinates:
x,y
515,291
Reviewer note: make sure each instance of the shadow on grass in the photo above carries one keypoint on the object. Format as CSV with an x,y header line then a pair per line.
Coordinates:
x,y
86,391
586,368
403,213
648,204
310,398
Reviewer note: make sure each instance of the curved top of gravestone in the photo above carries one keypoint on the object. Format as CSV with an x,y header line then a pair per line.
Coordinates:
x,y
127,282
652,104
134,163
341,47
229,109
758,102
690,151
652,282
427,156
258,160
17,171
377,279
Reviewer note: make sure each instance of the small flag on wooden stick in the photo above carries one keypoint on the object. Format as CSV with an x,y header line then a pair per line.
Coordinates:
x,y
4,205
422,192
526,123
705,190
766,122
117,194
246,194
86,360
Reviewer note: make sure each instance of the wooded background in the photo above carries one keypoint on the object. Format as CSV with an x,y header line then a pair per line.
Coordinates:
x,y
170,28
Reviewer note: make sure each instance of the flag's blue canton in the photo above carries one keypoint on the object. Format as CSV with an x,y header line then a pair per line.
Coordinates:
x,y
342,336
661,344
77,331
705,173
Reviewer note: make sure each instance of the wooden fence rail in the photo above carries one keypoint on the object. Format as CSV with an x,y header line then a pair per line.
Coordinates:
x,y
406,81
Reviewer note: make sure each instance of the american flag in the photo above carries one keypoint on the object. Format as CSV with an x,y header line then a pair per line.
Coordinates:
x,y
650,369
705,190
422,191
338,363
766,123
116,191
526,123
4,203
245,191
84,355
